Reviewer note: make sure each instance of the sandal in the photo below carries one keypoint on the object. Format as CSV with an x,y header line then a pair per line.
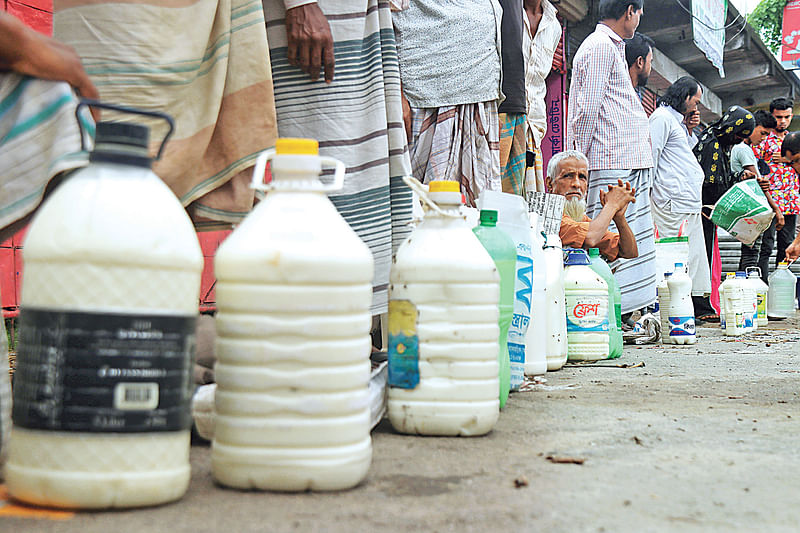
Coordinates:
x,y
713,317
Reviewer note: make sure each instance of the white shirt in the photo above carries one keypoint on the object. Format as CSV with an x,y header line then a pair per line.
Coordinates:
x,y
538,53
677,176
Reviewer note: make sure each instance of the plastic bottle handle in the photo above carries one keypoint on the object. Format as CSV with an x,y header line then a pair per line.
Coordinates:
x,y
267,155
422,190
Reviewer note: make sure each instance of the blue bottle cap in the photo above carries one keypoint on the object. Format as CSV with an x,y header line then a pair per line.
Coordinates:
x,y
741,274
576,256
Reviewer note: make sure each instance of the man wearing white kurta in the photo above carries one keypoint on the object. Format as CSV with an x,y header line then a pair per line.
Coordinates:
x,y
678,178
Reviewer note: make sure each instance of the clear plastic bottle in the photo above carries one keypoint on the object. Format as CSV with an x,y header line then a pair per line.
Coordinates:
x,y
504,254
681,309
294,287
615,303
443,325
781,298
586,308
109,305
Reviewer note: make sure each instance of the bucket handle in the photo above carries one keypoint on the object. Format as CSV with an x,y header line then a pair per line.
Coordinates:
x,y
264,157
85,102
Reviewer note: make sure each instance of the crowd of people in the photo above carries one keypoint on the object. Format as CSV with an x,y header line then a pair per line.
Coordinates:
x,y
396,88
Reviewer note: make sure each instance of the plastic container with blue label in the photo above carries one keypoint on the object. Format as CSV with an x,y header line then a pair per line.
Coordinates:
x,y
586,295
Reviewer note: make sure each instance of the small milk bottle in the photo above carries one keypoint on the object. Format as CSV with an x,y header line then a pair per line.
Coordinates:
x,y
110,298
443,324
681,309
294,288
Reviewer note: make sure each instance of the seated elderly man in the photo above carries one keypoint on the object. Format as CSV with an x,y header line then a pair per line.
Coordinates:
x,y
568,175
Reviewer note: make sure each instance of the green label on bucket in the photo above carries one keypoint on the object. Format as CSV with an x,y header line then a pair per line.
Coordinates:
x,y
403,345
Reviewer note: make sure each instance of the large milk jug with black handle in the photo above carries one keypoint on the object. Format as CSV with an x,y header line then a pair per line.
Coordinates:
x,y
294,288
443,324
109,302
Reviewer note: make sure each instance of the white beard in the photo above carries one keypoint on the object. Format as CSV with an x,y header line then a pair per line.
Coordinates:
x,y
575,208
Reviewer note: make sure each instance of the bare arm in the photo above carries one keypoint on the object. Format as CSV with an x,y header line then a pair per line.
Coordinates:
x,y
26,51
627,242
615,203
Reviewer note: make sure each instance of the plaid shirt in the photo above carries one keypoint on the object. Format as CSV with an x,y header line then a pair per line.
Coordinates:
x,y
606,119
783,183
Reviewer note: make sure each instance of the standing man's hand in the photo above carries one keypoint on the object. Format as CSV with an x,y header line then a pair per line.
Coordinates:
x,y
26,51
692,120
793,251
310,43
780,221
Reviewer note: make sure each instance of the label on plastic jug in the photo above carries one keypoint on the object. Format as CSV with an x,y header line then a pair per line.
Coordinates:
x,y
98,372
761,304
403,345
587,313
681,326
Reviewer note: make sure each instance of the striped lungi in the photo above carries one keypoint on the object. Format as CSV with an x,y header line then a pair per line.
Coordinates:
x,y
458,143
636,277
205,63
513,153
357,119
38,140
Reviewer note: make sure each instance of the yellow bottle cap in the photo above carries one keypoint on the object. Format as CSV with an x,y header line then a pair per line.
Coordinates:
x,y
444,186
783,263
293,146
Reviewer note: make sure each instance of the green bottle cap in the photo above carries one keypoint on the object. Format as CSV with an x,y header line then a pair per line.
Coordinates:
x,y
488,217
594,252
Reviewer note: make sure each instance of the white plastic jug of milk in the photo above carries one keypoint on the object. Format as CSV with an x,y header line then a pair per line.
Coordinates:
x,y
663,308
681,309
732,304
294,286
536,336
761,289
781,299
555,310
750,303
587,308
109,303
723,324
443,324
512,218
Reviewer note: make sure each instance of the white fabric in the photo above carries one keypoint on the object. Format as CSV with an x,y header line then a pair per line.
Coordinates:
x,y
290,4
677,176
538,53
449,52
668,225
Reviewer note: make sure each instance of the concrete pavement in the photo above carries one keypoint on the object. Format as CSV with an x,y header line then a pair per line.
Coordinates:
x,y
701,438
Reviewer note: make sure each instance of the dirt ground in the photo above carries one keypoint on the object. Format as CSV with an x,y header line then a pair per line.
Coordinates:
x,y
700,438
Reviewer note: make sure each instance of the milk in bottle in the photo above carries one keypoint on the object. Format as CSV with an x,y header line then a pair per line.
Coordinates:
x,y
555,310
443,325
109,303
294,287
681,309
663,308
587,309
761,289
